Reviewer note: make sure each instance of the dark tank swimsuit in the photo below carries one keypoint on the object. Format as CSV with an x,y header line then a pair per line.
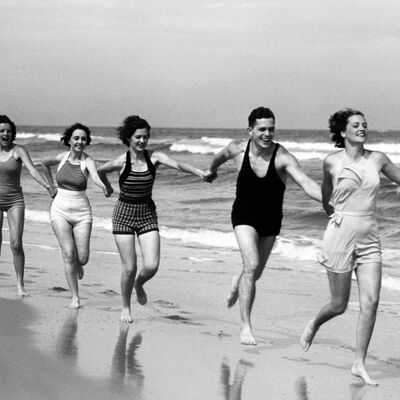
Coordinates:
x,y
258,200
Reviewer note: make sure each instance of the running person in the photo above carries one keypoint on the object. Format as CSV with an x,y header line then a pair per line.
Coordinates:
x,y
12,156
135,212
351,240
263,167
70,212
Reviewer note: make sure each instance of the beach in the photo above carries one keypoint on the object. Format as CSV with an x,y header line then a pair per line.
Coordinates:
x,y
184,344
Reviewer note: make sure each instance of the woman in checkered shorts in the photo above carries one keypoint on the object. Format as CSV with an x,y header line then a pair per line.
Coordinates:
x,y
135,212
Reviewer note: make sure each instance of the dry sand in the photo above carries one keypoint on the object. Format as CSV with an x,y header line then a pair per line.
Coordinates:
x,y
184,344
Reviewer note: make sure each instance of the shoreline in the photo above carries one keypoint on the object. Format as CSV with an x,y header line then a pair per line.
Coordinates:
x,y
185,343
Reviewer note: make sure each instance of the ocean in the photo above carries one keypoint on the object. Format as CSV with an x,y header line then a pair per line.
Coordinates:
x,y
198,214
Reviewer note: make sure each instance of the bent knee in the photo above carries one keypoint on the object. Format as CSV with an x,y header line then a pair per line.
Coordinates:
x,y
151,266
16,246
83,259
339,307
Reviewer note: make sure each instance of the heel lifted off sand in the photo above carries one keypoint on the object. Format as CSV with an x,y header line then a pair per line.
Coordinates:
x,y
234,292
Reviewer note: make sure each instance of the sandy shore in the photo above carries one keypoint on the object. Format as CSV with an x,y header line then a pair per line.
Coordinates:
x,y
184,343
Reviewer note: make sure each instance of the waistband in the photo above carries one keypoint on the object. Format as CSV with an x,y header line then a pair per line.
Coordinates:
x,y
135,201
71,193
337,216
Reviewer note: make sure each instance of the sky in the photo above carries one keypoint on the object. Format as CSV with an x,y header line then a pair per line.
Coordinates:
x,y
199,63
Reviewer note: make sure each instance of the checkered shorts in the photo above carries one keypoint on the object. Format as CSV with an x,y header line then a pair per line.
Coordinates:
x,y
128,218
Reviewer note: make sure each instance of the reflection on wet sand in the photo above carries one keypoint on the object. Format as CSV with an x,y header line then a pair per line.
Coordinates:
x,y
357,390
124,363
300,388
233,391
66,345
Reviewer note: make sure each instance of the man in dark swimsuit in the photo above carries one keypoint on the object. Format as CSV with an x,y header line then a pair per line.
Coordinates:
x,y
263,167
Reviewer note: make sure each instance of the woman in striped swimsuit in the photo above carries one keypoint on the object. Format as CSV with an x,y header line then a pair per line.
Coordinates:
x,y
70,213
135,211
11,198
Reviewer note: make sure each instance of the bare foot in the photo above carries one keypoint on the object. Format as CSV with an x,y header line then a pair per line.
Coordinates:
x,y
141,296
80,272
76,303
126,315
234,293
246,337
359,371
21,291
308,336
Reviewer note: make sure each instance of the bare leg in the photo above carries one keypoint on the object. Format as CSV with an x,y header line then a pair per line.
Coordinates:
x,y
369,278
1,229
150,246
15,218
340,285
65,237
81,234
255,252
127,252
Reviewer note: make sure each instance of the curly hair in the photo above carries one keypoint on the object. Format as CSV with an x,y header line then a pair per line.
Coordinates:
x,y
5,120
338,122
258,113
129,126
66,136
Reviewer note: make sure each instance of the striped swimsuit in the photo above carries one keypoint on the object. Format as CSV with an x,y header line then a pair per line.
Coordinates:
x,y
10,187
135,211
71,203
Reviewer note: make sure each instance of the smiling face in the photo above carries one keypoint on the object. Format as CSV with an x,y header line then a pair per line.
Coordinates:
x,y
138,141
78,140
262,132
356,129
5,135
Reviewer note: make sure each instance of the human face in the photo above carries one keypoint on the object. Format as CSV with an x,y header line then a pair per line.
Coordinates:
x,y
356,129
138,141
5,134
262,132
78,140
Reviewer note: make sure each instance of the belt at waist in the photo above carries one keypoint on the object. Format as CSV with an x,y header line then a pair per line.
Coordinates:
x,y
337,216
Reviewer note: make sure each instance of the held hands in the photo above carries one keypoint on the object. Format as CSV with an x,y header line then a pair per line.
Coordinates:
x,y
52,190
209,176
108,191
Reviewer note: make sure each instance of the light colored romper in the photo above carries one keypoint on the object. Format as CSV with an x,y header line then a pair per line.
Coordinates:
x,y
352,237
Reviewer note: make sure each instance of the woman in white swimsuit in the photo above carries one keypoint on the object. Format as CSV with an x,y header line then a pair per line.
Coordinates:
x,y
351,240
70,213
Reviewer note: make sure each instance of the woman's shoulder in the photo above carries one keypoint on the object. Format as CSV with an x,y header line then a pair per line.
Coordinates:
x,y
334,156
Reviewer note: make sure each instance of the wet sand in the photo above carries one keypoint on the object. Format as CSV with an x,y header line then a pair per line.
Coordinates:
x,y
184,344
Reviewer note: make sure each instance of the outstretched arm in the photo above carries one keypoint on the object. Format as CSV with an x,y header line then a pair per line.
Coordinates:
x,y
46,163
310,187
161,158
91,167
326,189
110,166
36,175
389,169
227,153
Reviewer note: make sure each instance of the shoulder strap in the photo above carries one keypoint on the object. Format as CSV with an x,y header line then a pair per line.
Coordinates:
x,y
150,165
64,160
127,168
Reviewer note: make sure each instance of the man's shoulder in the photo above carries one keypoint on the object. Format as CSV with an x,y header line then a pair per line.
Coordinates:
x,y
237,146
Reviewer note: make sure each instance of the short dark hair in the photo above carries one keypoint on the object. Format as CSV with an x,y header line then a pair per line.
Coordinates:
x,y
129,127
258,113
338,122
66,136
5,120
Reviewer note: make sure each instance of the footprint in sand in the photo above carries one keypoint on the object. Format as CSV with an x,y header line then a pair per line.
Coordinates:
x,y
166,304
183,320
59,289
109,292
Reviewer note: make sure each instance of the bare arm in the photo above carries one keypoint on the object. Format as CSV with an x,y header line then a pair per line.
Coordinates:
x,y
162,158
110,166
388,168
327,188
91,167
229,152
309,186
46,163
36,175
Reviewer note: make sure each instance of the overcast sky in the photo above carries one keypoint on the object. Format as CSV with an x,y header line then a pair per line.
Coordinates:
x,y
199,63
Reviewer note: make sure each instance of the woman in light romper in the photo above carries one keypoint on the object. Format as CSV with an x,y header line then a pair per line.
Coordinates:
x,y
12,156
70,212
351,240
